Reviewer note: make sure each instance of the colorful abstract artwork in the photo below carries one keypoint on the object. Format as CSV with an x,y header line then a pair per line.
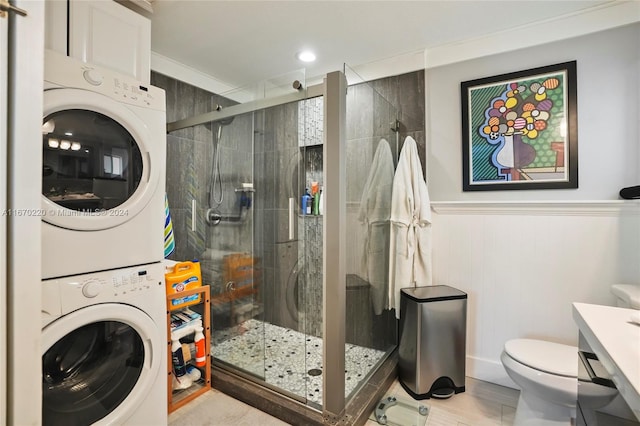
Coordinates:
x,y
520,130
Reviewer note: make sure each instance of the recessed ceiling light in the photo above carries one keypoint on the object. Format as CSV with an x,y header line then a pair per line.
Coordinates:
x,y
306,56
68,133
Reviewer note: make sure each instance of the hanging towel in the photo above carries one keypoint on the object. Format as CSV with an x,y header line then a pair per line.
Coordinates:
x,y
169,243
410,240
374,214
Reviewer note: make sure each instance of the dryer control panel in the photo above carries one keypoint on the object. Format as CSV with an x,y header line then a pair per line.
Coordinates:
x,y
64,71
138,285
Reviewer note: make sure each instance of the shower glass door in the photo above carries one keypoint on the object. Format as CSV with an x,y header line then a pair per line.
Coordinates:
x,y
260,313
371,156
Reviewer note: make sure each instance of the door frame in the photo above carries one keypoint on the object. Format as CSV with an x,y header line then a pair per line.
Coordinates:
x,y
22,130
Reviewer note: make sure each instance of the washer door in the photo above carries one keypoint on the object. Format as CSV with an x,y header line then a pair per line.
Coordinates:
x,y
98,364
97,170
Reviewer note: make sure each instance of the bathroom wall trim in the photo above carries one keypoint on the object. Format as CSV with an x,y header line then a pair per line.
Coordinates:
x,y
595,19
174,69
489,371
599,18
541,208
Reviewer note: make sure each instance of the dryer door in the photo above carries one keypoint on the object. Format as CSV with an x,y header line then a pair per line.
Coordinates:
x,y
98,364
97,170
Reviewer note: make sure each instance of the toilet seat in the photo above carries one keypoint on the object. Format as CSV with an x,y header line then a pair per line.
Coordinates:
x,y
548,357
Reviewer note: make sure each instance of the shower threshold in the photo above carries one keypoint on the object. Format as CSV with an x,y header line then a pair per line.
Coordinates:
x,y
288,359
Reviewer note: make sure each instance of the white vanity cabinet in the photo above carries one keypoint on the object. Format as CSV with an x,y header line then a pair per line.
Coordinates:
x,y
608,337
100,32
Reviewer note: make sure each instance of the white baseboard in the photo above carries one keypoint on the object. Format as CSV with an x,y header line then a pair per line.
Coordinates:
x,y
489,371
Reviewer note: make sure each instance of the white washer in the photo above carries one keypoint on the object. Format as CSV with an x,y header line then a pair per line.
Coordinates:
x,y
104,153
104,348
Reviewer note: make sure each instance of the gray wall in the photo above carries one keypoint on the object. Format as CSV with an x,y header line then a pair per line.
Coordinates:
x,y
523,266
608,73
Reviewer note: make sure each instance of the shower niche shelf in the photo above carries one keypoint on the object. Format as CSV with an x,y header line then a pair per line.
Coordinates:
x,y
178,398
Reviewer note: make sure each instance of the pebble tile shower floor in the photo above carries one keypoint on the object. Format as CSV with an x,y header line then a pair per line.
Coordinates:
x,y
286,358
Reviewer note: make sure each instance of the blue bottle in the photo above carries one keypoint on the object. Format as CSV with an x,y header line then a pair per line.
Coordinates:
x,y
306,202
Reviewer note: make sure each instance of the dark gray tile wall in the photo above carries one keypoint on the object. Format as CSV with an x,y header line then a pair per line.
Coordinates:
x,y
372,108
406,93
190,156
265,148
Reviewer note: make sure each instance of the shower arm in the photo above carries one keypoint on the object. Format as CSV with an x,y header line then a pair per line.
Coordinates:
x,y
214,218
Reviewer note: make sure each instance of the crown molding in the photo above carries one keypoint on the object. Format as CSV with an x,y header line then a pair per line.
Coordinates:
x,y
544,208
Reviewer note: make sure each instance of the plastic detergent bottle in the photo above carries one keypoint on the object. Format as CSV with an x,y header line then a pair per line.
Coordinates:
x,y
201,353
177,358
185,276
316,203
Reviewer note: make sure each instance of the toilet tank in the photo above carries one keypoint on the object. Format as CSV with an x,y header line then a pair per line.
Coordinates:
x,y
627,295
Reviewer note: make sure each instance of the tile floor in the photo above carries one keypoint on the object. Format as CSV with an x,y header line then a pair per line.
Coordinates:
x,y
287,358
482,404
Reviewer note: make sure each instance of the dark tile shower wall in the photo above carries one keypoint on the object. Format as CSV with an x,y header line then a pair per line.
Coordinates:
x,y
280,168
406,93
189,166
371,112
277,168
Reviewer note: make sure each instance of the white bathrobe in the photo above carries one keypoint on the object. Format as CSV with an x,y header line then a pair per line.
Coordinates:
x,y
410,251
374,214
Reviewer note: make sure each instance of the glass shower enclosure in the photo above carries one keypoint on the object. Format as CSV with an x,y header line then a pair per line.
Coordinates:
x,y
237,194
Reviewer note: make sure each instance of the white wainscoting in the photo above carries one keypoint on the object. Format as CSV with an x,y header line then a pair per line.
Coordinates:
x,y
523,264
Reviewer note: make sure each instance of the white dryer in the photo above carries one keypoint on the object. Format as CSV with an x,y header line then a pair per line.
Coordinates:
x,y
103,175
104,348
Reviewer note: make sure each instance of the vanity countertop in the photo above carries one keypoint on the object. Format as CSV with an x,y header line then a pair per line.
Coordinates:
x,y
616,342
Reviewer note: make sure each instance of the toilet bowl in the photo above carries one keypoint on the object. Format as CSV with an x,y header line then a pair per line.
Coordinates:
x,y
547,375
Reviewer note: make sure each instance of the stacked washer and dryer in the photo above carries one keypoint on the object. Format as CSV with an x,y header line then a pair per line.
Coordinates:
x,y
104,347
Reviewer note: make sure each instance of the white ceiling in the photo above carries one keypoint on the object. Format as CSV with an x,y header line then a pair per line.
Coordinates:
x,y
244,42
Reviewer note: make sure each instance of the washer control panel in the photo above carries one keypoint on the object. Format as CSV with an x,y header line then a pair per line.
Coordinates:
x,y
64,71
125,285
93,77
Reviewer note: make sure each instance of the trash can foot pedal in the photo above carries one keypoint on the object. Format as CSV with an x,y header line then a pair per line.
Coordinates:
x,y
443,393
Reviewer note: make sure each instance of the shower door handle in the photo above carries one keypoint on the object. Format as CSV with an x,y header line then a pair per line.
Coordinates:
x,y
292,219
194,215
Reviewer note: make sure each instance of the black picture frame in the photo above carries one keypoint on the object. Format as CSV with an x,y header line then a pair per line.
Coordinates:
x,y
520,130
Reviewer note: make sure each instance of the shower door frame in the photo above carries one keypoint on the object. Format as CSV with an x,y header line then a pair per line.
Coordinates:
x,y
334,244
334,90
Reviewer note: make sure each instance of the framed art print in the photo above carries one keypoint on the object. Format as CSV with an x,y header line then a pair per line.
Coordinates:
x,y
519,130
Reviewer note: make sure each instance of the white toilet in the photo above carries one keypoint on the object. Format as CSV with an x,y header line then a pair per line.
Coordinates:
x,y
547,374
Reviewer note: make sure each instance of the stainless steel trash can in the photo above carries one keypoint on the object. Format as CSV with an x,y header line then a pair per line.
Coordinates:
x,y
432,341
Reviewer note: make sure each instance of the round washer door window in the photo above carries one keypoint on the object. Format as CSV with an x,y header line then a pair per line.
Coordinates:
x,y
96,171
97,369
90,162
